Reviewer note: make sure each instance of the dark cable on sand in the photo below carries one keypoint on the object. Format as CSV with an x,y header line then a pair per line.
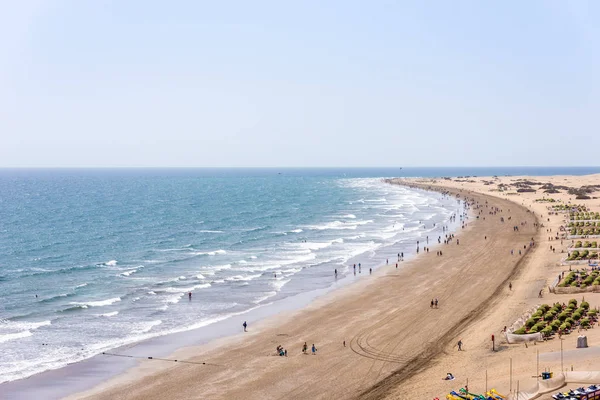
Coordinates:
x,y
160,359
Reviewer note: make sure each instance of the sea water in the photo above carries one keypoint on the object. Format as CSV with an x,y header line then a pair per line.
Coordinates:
x,y
94,259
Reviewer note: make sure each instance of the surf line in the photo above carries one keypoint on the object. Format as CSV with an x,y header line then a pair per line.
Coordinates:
x,y
161,359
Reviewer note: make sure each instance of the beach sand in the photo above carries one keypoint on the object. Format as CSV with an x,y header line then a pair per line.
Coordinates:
x,y
540,270
393,337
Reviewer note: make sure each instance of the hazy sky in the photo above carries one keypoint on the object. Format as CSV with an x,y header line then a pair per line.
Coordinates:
x,y
304,83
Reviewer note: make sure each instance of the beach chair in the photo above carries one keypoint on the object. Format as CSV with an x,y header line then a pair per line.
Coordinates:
x,y
496,394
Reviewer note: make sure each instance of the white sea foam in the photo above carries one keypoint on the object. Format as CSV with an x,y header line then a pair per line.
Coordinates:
x,y
186,289
210,253
209,231
110,263
296,231
279,283
99,303
253,257
174,298
200,276
127,273
13,330
146,326
110,314
6,324
151,293
334,225
350,216
265,297
220,267
13,336
243,277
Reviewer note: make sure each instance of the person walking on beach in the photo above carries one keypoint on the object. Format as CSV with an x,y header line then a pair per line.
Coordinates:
x,y
336,272
510,286
245,325
304,348
370,271
314,349
436,303
459,344
431,306
190,295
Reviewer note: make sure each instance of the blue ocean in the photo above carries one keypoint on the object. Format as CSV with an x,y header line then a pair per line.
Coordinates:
x,y
95,259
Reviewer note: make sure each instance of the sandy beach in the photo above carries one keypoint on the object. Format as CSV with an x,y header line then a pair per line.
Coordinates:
x,y
392,334
397,346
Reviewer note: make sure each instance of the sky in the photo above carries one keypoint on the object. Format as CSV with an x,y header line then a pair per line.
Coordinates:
x,y
128,83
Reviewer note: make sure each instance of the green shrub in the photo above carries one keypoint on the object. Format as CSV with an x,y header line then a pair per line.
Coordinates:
x,y
555,324
547,331
530,322
563,316
564,327
569,325
585,322
576,316
549,316
539,326
585,305
592,313
533,330
520,331
574,284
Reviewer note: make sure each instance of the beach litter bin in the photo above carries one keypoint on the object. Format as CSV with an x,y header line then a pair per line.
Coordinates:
x,y
546,375
582,342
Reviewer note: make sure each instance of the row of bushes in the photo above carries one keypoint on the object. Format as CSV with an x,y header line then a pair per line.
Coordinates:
x,y
569,207
584,231
574,277
582,255
548,319
583,224
548,200
584,215
579,244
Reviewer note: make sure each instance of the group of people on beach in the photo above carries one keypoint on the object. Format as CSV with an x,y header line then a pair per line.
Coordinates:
x,y
434,303
305,349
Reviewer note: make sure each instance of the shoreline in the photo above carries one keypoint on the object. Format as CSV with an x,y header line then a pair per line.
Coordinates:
x,y
87,374
133,386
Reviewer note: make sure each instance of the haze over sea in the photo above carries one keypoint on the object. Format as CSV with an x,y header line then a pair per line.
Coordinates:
x,y
94,259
